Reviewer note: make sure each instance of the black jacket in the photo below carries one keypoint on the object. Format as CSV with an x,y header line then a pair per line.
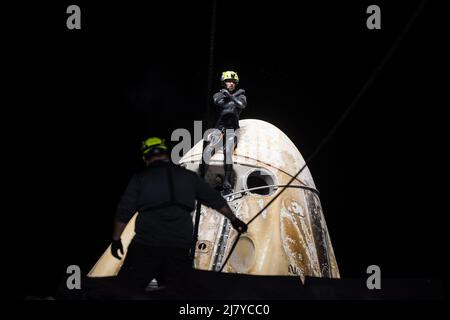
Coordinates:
x,y
161,222
230,107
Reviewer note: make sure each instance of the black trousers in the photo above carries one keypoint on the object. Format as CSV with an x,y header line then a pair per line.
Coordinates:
x,y
229,142
170,267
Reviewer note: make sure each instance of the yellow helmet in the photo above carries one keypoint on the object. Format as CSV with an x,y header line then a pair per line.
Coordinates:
x,y
152,146
229,75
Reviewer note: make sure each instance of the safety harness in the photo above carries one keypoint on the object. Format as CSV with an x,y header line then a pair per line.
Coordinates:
x,y
172,200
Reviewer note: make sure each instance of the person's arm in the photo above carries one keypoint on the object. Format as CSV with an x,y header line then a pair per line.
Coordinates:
x,y
219,99
126,208
116,244
237,223
118,229
239,98
227,212
211,198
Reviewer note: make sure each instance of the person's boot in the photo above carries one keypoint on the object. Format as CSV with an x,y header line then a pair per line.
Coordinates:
x,y
227,186
226,189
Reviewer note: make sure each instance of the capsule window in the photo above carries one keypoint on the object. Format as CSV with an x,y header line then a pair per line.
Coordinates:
x,y
261,179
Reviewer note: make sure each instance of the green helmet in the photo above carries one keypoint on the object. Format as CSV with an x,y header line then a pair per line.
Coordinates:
x,y
152,146
229,75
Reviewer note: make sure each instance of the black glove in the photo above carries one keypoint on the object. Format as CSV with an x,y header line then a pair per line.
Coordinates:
x,y
225,93
116,246
239,225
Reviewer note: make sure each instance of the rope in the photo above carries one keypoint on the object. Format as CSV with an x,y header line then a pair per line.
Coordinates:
x,y
212,37
273,185
207,120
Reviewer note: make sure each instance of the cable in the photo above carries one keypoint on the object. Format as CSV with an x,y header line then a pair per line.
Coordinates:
x,y
212,39
274,185
207,120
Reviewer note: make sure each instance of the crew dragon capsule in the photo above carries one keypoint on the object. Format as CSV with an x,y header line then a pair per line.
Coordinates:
x,y
289,237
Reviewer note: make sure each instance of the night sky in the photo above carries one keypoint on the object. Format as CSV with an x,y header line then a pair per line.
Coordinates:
x,y
81,101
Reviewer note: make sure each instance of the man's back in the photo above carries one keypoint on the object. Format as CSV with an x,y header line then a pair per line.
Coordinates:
x,y
164,195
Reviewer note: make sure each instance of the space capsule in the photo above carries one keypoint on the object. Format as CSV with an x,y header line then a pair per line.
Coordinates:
x,y
289,237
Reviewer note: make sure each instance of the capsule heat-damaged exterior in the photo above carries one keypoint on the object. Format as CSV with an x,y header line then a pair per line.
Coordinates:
x,y
290,237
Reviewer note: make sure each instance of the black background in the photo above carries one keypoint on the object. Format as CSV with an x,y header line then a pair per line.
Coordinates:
x,y
79,102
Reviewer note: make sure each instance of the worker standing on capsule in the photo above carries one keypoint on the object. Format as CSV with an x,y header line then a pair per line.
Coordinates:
x,y
230,103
